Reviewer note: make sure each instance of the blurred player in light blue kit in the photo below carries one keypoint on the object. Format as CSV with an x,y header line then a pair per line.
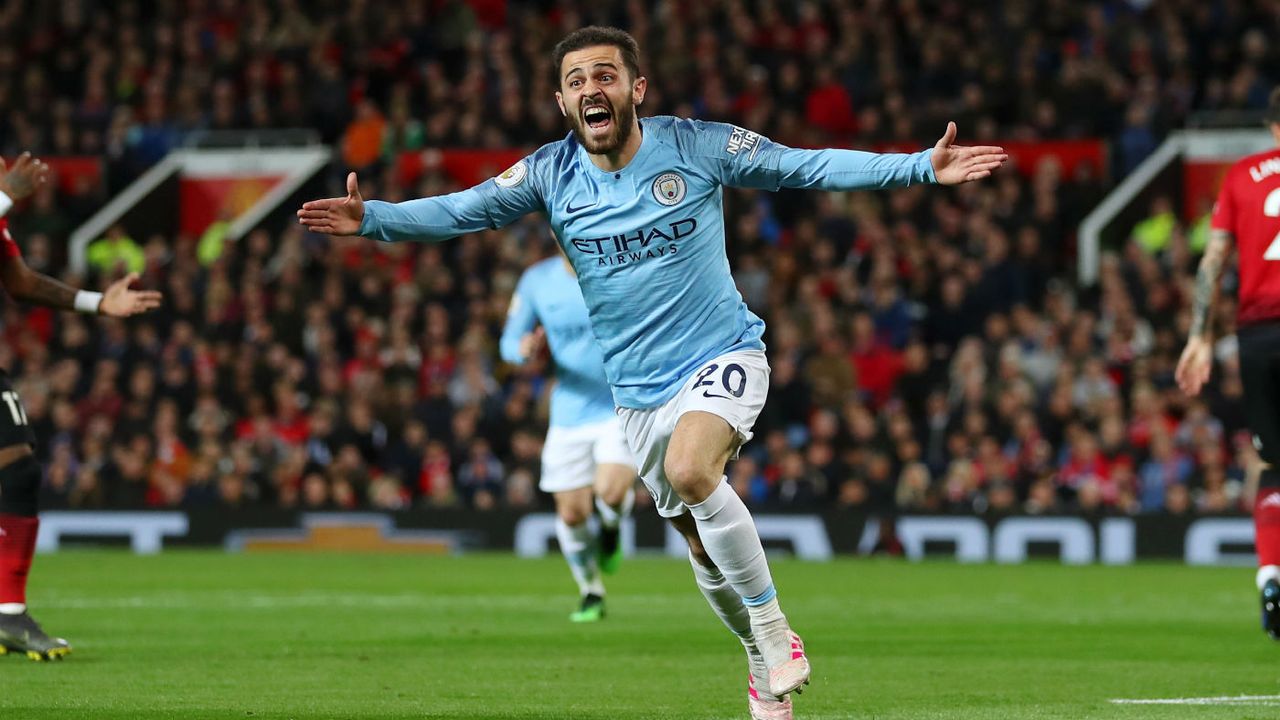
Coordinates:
x,y
585,455
637,207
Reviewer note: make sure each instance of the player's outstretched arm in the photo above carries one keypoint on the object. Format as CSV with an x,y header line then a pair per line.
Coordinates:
x,y
1197,357
486,206
27,285
120,299
746,159
955,164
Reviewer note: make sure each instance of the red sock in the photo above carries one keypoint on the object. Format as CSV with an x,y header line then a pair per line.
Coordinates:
x,y
17,545
1266,526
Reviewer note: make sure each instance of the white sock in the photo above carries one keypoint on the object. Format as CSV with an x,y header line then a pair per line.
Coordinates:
x,y
724,600
1265,573
610,516
12,608
729,535
576,544
727,604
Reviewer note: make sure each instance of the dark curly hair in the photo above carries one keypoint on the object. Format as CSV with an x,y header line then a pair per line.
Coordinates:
x,y
592,36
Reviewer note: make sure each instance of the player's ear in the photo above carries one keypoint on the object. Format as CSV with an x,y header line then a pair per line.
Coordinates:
x,y
560,102
637,90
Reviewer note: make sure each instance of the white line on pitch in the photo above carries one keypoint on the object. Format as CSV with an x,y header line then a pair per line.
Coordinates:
x,y
1263,700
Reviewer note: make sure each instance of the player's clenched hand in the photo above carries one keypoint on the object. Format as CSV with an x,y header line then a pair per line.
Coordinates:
x,y
1194,366
24,177
120,300
335,216
532,343
954,164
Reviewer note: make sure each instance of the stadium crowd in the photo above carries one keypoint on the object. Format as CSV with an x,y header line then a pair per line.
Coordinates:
x,y
929,350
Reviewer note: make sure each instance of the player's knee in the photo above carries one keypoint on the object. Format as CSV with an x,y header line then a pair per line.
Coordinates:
x,y
613,495
572,514
20,486
690,477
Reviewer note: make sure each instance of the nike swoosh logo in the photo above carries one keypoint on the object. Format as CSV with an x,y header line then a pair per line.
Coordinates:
x,y
569,209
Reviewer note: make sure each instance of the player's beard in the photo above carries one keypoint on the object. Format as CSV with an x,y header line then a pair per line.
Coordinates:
x,y
623,120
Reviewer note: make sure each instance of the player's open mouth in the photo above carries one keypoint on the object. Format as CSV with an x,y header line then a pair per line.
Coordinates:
x,y
597,117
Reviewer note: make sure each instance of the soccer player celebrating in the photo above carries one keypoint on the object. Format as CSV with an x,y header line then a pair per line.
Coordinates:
x,y
1248,214
19,473
637,208
585,454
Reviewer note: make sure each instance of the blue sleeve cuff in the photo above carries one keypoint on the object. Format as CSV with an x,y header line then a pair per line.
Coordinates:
x,y
510,351
368,224
928,172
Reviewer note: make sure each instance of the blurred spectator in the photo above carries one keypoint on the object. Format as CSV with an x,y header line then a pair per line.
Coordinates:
x,y
362,143
115,252
1156,232
480,476
1166,468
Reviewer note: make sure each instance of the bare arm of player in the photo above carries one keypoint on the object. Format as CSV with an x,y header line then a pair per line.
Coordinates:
x,y
120,300
1197,357
1252,477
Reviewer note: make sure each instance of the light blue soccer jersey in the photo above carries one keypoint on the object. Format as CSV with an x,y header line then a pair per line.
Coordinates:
x,y
549,294
647,241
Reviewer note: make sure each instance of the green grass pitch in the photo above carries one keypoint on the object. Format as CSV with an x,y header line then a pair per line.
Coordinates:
x,y
209,635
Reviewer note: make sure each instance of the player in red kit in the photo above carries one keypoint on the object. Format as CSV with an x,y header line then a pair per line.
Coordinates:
x,y
19,473
1248,214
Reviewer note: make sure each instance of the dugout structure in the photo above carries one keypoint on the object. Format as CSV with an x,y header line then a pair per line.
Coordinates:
x,y
1187,168
233,179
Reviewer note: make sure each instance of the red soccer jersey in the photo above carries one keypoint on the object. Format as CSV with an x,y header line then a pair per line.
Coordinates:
x,y
8,248
1249,208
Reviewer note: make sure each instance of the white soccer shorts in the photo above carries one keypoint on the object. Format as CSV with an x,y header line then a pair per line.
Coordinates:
x,y
732,386
570,454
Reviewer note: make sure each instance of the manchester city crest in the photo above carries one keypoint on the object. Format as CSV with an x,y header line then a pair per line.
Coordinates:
x,y
668,188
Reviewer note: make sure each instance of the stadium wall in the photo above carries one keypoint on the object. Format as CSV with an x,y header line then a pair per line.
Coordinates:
x,y
1201,540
